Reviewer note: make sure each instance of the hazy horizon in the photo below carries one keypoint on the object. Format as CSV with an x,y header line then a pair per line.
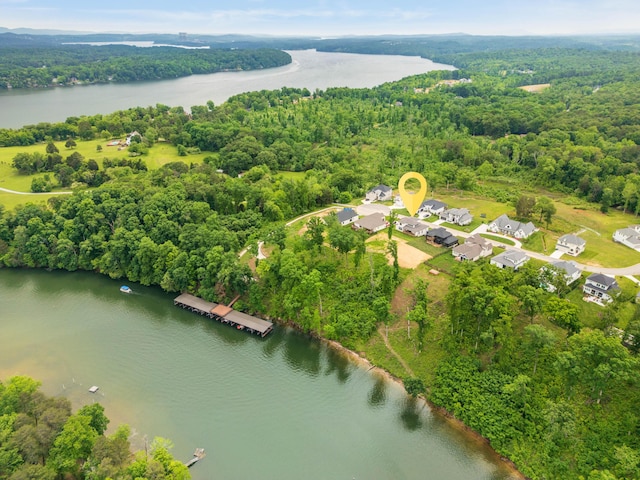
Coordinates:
x,y
329,18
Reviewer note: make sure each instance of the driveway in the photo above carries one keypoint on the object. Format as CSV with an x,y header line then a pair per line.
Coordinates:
x,y
369,208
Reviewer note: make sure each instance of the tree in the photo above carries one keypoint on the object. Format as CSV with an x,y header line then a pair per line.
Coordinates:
x,y
40,184
597,361
414,386
70,143
392,224
525,205
531,299
342,239
546,208
420,311
51,148
564,314
74,444
314,233
95,412
392,249
537,340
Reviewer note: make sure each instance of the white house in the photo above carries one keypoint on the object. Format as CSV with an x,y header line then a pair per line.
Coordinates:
x,y
457,216
628,236
380,193
371,223
347,216
474,248
601,286
510,259
571,244
412,226
513,228
568,269
431,207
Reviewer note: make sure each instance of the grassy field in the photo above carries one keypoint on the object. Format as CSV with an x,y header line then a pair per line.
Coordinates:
x,y
291,175
160,154
506,241
11,201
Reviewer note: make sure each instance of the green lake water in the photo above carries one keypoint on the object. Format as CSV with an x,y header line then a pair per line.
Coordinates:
x,y
283,407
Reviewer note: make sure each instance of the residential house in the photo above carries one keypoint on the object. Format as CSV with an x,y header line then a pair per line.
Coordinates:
x,y
513,228
371,223
569,270
380,193
510,259
398,202
457,216
474,248
601,286
628,236
431,207
571,244
347,216
127,142
412,226
441,236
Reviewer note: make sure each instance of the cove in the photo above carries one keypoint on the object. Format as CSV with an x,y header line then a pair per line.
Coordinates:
x,y
309,69
285,407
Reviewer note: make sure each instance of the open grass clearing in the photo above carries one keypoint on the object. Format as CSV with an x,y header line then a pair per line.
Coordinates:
x,y
291,175
506,241
476,205
160,154
444,262
10,201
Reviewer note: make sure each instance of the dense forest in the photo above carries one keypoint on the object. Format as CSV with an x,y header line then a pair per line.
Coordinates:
x,y
42,439
45,66
553,389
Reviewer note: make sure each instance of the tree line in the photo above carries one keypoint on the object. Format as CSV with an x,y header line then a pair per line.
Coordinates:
x,y
45,66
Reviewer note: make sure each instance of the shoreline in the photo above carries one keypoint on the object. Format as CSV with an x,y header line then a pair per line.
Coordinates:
x,y
441,412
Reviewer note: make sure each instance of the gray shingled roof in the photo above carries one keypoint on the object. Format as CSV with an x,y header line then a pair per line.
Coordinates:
x,y
371,222
572,239
510,258
434,204
569,267
603,279
382,188
346,214
476,239
505,223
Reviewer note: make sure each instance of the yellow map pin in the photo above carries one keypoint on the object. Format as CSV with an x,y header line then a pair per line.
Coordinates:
x,y
412,200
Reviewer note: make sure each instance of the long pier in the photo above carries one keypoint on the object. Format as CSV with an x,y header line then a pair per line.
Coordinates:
x,y
224,314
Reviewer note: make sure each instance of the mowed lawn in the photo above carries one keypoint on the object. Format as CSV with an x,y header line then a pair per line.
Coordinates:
x,y
10,201
592,225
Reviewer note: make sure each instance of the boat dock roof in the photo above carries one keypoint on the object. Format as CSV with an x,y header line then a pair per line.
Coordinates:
x,y
195,302
224,314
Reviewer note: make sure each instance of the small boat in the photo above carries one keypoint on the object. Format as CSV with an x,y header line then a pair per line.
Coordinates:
x,y
125,289
94,389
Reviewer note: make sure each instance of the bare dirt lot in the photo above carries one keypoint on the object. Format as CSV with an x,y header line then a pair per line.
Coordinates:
x,y
535,88
408,256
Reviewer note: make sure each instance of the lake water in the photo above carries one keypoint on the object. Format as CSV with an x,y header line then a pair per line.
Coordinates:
x,y
283,407
309,68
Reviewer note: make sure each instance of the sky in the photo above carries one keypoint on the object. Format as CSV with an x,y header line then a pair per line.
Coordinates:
x,y
327,18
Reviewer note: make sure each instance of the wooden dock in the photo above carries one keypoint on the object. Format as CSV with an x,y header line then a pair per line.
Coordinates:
x,y
197,456
224,314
